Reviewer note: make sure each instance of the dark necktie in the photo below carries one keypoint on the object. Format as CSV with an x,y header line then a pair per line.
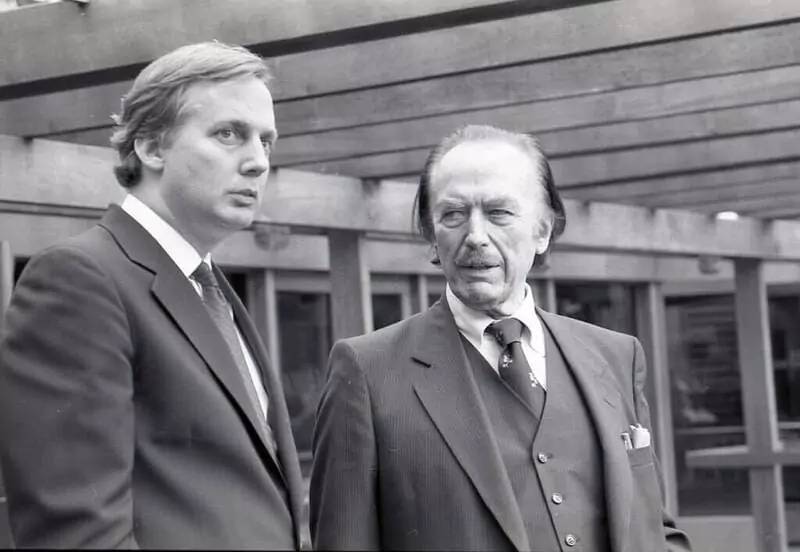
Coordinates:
x,y
219,309
514,368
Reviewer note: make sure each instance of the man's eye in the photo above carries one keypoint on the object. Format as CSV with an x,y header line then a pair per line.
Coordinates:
x,y
267,144
500,213
227,135
452,217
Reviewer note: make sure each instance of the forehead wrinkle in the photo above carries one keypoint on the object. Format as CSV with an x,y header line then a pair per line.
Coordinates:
x,y
480,196
485,185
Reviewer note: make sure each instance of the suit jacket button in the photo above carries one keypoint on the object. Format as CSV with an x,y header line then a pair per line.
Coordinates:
x,y
542,457
571,540
557,498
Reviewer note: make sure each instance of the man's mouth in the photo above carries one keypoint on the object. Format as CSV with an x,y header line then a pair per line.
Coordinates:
x,y
246,193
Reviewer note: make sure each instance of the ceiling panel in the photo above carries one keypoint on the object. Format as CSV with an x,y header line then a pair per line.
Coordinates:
x,y
663,103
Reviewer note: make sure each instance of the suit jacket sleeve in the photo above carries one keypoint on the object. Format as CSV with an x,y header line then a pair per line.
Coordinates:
x,y
343,476
66,406
677,541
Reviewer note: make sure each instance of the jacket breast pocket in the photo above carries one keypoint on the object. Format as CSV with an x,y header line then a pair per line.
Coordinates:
x,y
640,456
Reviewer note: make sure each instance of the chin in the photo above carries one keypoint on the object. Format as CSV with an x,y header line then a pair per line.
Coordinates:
x,y
239,219
477,295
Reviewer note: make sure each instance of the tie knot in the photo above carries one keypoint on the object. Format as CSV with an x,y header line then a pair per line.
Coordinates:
x,y
204,276
506,331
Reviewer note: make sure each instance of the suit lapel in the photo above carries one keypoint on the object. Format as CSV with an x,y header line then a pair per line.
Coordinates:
x,y
171,288
598,387
449,394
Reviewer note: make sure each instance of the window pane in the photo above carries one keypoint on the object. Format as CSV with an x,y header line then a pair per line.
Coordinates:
x,y
706,401
791,474
386,309
784,320
304,330
238,281
608,305
791,488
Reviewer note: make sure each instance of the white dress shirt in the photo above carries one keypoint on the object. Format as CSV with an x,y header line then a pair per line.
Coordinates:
x,y
472,324
187,259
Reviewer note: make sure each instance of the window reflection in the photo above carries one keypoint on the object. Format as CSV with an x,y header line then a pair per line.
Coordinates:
x,y
387,308
608,305
706,394
706,401
306,338
304,331
238,281
784,314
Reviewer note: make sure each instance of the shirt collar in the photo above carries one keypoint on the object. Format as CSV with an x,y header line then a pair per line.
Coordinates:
x,y
473,323
177,248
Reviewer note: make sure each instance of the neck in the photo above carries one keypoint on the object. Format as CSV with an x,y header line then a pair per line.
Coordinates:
x,y
502,309
155,202
506,309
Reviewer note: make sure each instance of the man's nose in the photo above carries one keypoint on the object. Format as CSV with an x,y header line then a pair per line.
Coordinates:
x,y
256,161
476,230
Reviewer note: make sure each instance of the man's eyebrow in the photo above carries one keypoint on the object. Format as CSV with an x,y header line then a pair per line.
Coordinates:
x,y
502,200
271,135
450,202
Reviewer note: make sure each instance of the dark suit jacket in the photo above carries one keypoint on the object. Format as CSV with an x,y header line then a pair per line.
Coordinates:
x,y
405,457
123,420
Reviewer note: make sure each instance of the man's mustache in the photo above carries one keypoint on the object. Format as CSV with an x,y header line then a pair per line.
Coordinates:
x,y
474,258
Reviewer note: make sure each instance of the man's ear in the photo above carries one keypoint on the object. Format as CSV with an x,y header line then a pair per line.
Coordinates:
x,y
150,153
543,239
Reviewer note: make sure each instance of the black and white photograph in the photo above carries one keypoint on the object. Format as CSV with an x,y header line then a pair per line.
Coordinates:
x,y
507,275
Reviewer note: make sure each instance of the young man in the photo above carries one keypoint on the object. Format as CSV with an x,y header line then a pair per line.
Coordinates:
x,y
137,404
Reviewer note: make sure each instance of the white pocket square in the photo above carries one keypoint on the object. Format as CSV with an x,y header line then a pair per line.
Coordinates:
x,y
641,436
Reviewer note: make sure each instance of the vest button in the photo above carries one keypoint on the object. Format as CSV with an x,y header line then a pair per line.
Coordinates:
x,y
557,498
571,540
542,457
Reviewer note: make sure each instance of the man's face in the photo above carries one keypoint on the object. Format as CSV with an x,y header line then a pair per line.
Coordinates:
x,y
489,222
216,160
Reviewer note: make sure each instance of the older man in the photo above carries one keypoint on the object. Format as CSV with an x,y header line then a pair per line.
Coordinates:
x,y
137,404
485,423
